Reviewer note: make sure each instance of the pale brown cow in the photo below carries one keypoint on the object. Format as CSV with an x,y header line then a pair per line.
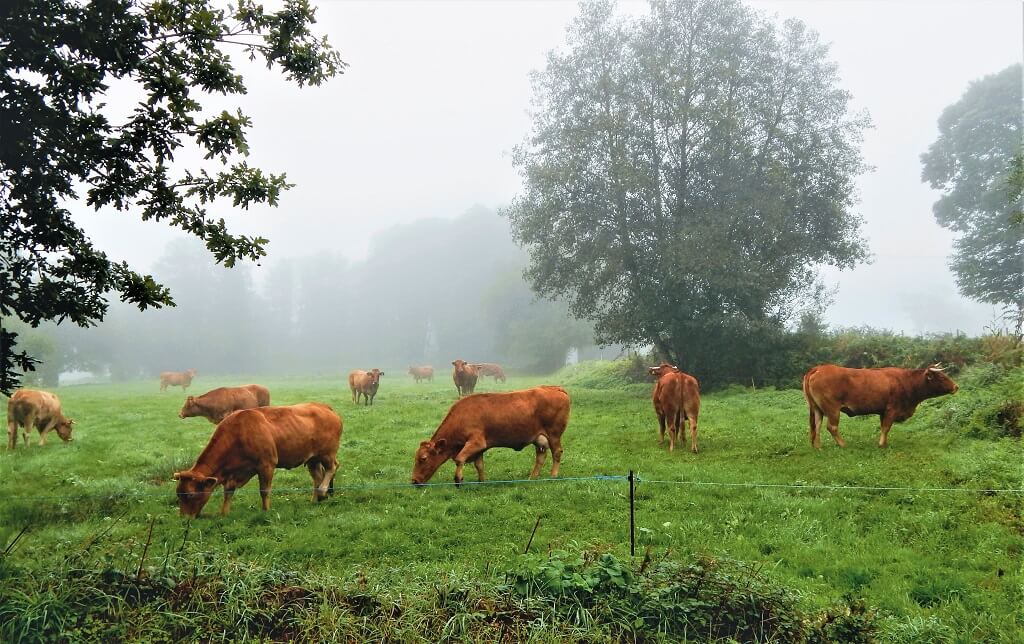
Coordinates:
x,y
890,392
464,375
676,398
176,379
422,373
536,416
217,403
255,442
365,384
490,369
41,410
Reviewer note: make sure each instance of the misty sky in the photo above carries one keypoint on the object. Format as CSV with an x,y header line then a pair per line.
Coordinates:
x,y
423,121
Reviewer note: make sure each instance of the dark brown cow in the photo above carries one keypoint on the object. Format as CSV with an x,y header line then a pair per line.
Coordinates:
x,y
676,398
490,369
365,384
422,373
464,375
31,409
253,442
217,403
892,393
475,424
176,379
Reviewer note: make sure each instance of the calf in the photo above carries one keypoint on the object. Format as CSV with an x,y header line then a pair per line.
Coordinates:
x,y
365,384
464,375
40,410
214,405
890,392
475,424
254,442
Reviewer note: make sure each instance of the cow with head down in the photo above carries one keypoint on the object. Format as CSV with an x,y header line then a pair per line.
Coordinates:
x,y
40,410
176,379
676,398
217,403
422,373
891,393
490,369
464,375
364,384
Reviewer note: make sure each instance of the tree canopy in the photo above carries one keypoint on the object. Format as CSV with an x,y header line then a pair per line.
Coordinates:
x,y
976,164
62,143
685,173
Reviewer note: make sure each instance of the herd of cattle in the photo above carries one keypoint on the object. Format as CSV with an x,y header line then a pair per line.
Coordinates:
x,y
253,438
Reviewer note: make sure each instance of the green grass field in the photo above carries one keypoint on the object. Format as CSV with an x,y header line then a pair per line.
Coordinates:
x,y
918,557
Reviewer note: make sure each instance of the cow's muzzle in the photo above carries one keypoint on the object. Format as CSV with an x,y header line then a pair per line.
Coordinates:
x,y
418,483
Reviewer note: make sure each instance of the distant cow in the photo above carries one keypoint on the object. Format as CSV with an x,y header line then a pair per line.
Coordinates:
x,y
464,375
676,398
176,379
214,405
892,393
365,384
490,369
253,442
422,373
41,410
475,424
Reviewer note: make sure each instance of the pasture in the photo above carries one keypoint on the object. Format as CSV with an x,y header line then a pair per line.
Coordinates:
x,y
916,556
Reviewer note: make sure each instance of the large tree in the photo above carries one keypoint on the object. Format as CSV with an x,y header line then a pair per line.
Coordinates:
x,y
60,142
975,162
686,172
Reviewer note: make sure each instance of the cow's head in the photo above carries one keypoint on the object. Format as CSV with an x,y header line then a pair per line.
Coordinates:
x,y
190,408
937,383
460,365
662,369
430,456
64,429
375,376
193,492
191,373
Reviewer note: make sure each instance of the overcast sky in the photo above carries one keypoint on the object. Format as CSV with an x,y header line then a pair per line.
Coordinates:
x,y
436,96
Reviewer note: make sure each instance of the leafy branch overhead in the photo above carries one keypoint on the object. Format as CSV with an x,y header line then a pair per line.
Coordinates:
x,y
62,143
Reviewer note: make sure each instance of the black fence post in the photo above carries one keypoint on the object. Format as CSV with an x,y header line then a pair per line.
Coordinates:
x,y
632,517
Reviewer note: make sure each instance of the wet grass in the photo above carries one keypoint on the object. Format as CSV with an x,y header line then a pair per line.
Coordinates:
x,y
931,562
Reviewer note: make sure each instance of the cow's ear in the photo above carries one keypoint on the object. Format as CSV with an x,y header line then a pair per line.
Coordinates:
x,y
180,475
190,399
453,363
210,480
440,444
381,373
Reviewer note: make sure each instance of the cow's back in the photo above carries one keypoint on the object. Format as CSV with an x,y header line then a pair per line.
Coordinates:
x,y
298,432
855,391
512,419
28,402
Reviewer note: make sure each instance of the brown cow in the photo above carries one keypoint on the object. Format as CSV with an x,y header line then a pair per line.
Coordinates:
x,y
676,398
176,379
475,424
253,442
490,369
214,405
41,410
365,384
464,375
890,392
422,373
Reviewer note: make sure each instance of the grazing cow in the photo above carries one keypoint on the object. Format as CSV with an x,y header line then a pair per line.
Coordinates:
x,y
41,410
490,369
214,405
422,373
892,393
253,442
464,375
676,398
176,379
475,424
365,384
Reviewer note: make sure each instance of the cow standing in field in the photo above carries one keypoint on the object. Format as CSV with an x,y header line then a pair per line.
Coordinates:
x,y
215,404
890,392
255,442
536,416
490,369
464,375
40,410
676,398
422,373
176,379
365,384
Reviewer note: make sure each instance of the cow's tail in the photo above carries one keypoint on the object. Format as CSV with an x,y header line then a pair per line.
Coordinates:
x,y
806,385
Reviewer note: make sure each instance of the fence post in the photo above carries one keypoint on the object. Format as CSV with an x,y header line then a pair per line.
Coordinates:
x,y
632,517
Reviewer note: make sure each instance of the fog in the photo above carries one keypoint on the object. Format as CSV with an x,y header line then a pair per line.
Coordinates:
x,y
402,162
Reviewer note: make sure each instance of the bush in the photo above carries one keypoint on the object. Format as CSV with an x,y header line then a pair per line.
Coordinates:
x,y
990,403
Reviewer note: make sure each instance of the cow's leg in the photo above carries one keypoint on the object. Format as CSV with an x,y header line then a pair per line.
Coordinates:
x,y
833,428
45,429
266,478
542,447
30,424
468,452
815,418
229,492
316,472
693,433
556,455
673,430
661,429
326,484
478,463
12,434
887,421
